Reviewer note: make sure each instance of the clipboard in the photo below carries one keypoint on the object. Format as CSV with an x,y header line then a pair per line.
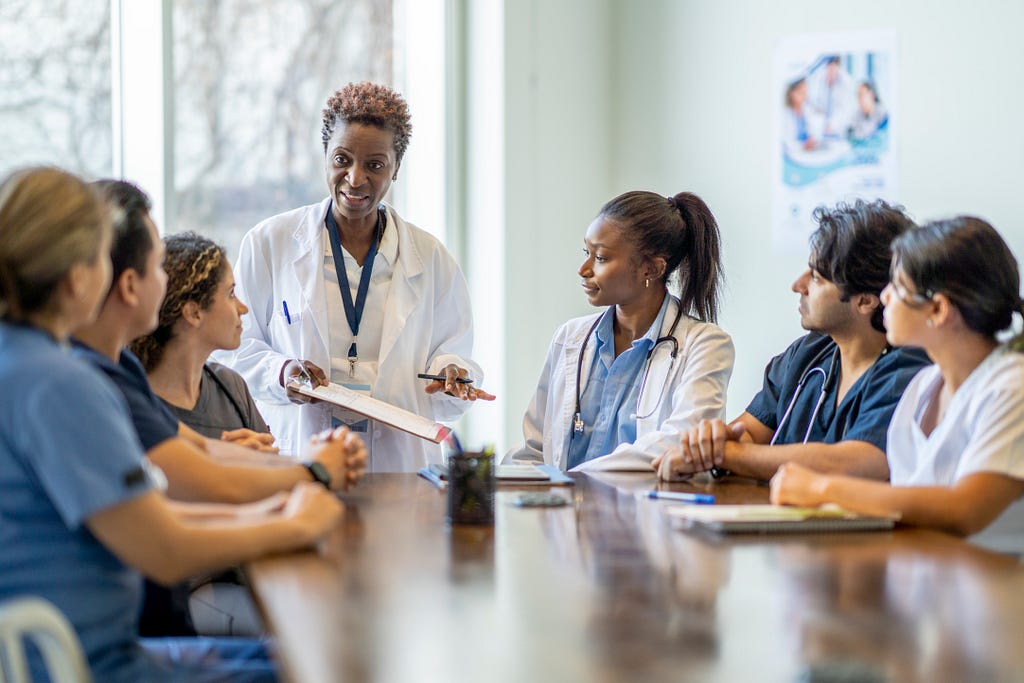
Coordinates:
x,y
375,409
772,519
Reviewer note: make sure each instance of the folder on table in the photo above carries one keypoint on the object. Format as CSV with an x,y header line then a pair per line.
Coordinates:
x,y
771,519
513,475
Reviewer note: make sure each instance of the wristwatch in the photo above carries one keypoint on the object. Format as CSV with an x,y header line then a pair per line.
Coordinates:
x,y
319,473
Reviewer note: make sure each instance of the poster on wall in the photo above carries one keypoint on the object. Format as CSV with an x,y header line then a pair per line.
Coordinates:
x,y
836,127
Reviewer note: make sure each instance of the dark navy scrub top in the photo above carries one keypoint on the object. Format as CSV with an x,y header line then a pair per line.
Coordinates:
x,y
866,409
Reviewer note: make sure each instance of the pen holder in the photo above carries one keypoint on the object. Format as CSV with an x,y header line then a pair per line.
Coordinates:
x,y
471,488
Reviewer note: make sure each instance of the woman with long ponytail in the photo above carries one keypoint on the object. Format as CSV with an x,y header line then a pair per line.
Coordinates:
x,y
620,386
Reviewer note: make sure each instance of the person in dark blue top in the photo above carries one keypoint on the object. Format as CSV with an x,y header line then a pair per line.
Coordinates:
x,y
827,400
82,512
197,468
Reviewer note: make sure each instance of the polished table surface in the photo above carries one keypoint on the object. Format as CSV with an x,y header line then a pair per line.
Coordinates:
x,y
604,590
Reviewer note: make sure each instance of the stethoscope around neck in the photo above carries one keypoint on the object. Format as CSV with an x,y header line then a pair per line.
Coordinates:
x,y
670,338
828,379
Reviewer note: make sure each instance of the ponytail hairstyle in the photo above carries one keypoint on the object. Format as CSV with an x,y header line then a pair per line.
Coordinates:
x,y
965,259
682,230
195,268
50,221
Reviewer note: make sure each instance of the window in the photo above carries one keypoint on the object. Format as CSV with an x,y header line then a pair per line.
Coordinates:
x,y
55,105
250,80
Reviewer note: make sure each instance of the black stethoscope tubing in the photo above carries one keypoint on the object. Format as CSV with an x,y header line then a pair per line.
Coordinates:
x,y
828,379
810,370
577,420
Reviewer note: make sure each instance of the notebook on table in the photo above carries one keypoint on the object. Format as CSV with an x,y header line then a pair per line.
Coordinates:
x,y
771,519
513,475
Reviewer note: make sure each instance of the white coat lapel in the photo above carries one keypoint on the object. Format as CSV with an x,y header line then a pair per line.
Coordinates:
x,y
573,346
406,291
308,267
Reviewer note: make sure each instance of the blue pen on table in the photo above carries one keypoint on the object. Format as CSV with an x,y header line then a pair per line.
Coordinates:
x,y
287,316
698,498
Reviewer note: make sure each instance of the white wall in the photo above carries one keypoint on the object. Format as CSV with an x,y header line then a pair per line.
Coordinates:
x,y
553,158
694,112
666,95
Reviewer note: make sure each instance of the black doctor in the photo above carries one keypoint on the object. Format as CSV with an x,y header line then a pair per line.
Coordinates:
x,y
633,377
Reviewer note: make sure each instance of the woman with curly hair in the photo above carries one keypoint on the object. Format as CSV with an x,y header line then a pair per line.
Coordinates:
x,y
347,291
199,315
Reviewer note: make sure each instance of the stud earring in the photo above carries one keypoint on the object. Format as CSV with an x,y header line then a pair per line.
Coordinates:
x,y
928,322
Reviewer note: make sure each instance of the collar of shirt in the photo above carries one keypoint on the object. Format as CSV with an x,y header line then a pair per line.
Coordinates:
x,y
388,243
605,333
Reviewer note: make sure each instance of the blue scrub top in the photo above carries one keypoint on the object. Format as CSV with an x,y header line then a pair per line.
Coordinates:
x,y
866,409
153,422
68,451
609,398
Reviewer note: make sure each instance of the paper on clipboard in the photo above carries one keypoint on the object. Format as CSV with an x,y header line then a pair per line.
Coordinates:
x,y
375,409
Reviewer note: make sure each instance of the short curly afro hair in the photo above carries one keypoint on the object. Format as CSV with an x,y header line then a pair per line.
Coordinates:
x,y
369,103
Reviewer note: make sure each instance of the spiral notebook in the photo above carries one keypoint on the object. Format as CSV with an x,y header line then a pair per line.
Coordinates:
x,y
771,519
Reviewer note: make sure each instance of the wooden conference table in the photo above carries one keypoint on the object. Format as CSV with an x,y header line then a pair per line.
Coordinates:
x,y
604,590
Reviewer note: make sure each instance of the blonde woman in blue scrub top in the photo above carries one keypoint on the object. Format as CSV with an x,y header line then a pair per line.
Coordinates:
x,y
619,386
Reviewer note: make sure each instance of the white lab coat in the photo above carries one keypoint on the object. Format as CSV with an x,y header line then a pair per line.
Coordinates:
x,y
695,384
427,325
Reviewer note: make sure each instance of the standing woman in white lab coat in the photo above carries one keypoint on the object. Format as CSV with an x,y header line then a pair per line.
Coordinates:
x,y
401,308
620,386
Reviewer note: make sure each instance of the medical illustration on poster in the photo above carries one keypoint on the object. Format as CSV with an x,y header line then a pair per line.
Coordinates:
x,y
836,127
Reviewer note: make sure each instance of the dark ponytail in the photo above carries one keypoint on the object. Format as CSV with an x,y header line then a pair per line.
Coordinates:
x,y
1017,343
968,261
682,230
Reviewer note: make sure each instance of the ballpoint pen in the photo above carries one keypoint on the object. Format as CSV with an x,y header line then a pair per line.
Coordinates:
x,y
442,378
697,498
454,442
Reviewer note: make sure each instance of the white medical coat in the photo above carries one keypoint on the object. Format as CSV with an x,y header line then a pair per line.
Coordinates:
x,y
427,325
694,386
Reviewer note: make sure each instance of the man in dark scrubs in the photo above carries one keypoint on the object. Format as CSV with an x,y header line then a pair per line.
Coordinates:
x,y
828,398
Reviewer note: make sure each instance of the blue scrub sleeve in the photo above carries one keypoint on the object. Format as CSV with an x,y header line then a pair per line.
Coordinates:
x,y
153,421
84,449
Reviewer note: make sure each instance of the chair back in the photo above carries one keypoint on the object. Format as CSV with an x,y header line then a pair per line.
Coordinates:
x,y
35,619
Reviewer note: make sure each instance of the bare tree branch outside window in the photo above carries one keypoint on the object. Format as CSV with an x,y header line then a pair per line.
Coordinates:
x,y
251,78
55,85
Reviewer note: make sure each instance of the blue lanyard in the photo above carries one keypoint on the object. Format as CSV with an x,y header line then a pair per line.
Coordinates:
x,y
353,311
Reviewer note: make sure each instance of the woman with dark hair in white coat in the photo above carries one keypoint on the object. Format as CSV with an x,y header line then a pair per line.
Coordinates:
x,y
620,386
346,290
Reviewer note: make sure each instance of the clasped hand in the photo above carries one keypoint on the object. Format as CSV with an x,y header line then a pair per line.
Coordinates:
x,y
700,448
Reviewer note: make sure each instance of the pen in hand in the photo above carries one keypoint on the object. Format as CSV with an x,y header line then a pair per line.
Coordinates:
x,y
442,378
